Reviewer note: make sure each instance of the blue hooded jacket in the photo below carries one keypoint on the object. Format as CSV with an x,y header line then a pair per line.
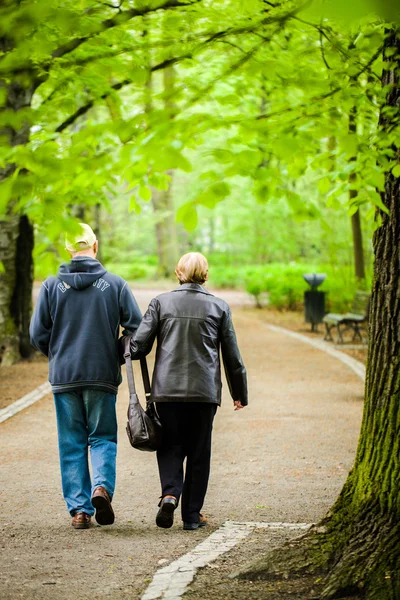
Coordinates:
x,y
76,324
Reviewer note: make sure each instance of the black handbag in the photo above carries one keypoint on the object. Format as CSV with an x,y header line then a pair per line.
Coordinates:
x,y
143,427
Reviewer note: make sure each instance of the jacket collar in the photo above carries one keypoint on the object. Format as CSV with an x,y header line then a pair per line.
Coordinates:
x,y
192,287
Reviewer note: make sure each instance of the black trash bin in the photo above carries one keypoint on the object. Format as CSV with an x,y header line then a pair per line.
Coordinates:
x,y
314,301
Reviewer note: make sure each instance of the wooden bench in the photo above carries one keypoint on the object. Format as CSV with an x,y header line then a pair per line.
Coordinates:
x,y
355,320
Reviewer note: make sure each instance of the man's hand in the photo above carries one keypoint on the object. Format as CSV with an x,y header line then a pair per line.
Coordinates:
x,y
237,404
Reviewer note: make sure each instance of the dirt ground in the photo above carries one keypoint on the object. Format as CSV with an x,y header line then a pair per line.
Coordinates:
x,y
294,320
283,458
21,378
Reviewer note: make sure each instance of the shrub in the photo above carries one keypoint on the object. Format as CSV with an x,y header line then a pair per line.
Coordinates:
x,y
130,271
254,287
226,277
284,286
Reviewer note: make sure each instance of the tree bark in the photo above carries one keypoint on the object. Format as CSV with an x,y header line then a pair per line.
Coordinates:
x,y
9,342
359,264
355,550
167,244
16,245
163,202
21,303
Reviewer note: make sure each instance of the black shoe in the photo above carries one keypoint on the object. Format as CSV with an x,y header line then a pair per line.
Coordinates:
x,y
165,516
192,526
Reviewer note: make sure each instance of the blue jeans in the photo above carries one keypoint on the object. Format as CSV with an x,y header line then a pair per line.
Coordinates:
x,y
86,418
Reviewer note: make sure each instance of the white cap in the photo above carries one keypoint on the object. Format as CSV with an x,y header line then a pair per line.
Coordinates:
x,y
82,240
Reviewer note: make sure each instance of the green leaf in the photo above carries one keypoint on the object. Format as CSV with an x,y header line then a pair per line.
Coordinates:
x,y
349,143
145,193
223,156
324,185
3,96
376,199
133,204
187,214
213,194
262,192
6,187
396,171
377,179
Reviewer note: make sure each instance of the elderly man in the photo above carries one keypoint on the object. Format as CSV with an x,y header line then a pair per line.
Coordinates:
x,y
76,324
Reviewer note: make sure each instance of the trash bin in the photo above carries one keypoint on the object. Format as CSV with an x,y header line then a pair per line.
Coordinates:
x,y
314,301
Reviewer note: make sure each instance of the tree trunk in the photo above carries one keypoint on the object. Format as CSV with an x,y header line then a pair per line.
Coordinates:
x,y
163,202
9,342
167,242
359,266
16,245
97,228
355,550
21,303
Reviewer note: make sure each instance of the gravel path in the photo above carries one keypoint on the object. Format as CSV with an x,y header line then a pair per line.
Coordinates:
x,y
284,458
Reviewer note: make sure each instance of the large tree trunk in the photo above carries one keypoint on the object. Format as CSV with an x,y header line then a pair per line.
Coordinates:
x,y
9,342
21,303
355,550
16,245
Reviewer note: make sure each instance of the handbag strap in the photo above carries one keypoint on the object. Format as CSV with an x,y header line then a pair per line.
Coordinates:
x,y
129,372
146,380
129,367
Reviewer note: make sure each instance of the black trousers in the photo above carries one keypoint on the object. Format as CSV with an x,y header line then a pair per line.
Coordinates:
x,y
187,428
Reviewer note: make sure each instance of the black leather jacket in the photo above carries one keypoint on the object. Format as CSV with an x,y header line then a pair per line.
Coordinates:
x,y
191,325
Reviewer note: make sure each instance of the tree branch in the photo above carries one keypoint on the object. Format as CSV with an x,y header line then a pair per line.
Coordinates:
x,y
321,45
82,110
119,19
299,106
231,69
212,37
122,17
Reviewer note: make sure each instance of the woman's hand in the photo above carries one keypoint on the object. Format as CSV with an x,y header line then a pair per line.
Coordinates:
x,y
237,404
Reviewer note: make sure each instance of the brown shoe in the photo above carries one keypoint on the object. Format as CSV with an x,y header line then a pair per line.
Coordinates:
x,y
81,520
102,503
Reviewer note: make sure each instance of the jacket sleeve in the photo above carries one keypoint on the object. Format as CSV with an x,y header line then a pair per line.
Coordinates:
x,y
41,322
130,314
234,368
142,341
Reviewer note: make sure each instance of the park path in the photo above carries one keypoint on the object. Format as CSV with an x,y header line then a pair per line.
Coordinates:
x,y
284,458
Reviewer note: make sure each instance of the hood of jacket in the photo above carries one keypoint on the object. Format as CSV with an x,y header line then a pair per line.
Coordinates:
x,y
81,272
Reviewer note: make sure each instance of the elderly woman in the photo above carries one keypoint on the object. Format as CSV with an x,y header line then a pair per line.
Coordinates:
x,y
191,326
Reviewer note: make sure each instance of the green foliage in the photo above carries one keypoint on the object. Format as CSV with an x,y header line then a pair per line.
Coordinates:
x,y
282,285
226,277
131,271
258,115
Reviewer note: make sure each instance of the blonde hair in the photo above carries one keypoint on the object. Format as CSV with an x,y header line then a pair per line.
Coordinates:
x,y
192,268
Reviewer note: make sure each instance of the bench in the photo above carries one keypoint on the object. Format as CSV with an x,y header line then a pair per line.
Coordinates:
x,y
355,320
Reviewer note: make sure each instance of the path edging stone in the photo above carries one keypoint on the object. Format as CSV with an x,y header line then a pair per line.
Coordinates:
x,y
25,401
354,364
172,580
